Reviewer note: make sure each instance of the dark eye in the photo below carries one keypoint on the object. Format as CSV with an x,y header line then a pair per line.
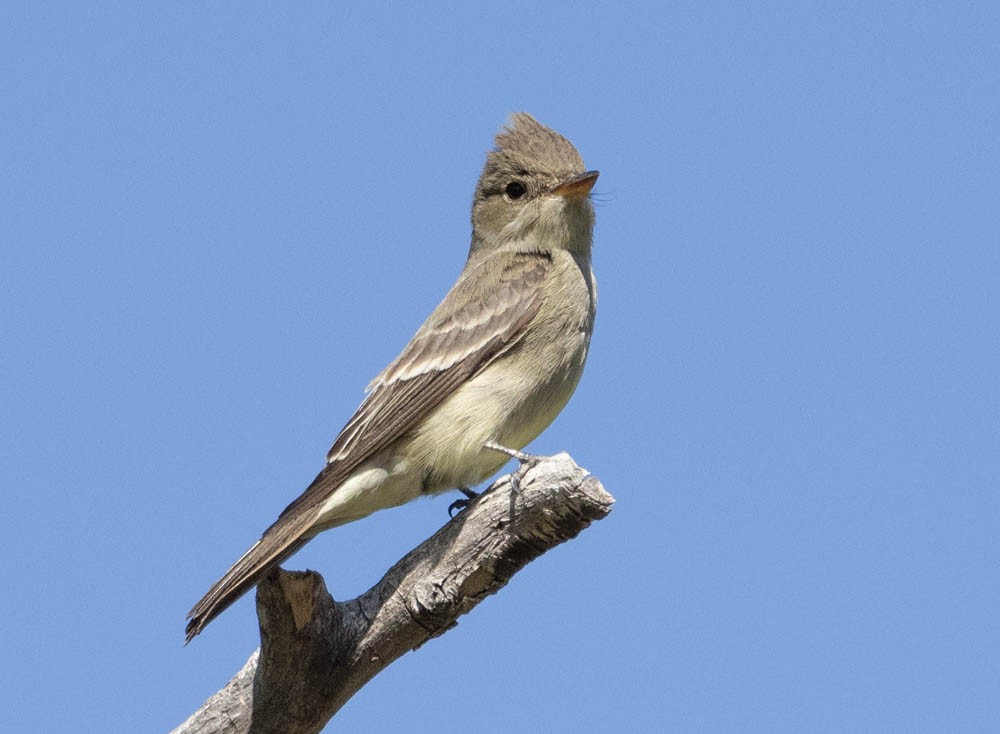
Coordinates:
x,y
515,190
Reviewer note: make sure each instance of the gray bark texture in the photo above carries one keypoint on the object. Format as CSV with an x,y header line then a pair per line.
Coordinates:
x,y
316,653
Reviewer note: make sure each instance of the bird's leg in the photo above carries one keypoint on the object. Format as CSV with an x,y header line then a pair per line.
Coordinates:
x,y
459,505
523,458
525,461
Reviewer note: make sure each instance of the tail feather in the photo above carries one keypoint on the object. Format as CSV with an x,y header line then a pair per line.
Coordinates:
x,y
264,555
293,529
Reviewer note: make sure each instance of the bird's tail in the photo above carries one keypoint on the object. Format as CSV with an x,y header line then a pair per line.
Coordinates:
x,y
292,530
275,546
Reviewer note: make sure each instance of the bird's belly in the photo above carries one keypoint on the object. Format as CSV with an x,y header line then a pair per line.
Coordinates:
x,y
382,481
509,402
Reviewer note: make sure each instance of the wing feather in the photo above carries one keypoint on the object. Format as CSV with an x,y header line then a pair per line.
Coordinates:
x,y
470,328
465,332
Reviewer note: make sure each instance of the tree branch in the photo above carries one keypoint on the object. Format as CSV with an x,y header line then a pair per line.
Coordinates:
x,y
316,653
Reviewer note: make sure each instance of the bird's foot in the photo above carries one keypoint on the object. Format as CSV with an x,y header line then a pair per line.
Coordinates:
x,y
459,505
526,461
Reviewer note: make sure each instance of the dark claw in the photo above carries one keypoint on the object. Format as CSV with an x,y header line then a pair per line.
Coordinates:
x,y
459,505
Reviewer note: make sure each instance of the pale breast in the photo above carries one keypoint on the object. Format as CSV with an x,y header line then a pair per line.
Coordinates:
x,y
514,398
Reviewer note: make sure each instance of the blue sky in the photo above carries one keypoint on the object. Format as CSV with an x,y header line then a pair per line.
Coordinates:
x,y
218,223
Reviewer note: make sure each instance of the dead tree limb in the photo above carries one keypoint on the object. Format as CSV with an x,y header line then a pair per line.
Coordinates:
x,y
316,653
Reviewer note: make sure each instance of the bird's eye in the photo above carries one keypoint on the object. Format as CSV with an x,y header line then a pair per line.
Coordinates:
x,y
515,190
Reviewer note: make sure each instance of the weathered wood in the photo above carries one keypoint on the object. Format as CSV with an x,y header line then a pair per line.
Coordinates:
x,y
316,653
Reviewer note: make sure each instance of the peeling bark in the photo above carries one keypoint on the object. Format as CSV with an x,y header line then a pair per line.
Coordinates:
x,y
316,653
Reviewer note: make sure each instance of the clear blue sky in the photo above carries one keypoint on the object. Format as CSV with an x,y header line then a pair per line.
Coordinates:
x,y
219,222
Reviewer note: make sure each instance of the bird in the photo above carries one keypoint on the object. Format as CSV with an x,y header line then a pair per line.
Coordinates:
x,y
491,367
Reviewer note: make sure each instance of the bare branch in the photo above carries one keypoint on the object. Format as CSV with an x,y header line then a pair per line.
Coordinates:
x,y
316,653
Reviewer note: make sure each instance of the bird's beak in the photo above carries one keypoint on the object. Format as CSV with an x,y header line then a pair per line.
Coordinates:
x,y
579,185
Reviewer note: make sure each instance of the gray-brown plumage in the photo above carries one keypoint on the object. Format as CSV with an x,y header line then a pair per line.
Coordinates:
x,y
496,360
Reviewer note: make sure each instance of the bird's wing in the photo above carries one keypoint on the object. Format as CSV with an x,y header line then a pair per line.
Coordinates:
x,y
471,327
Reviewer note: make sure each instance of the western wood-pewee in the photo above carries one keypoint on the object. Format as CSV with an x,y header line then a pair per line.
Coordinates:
x,y
494,363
